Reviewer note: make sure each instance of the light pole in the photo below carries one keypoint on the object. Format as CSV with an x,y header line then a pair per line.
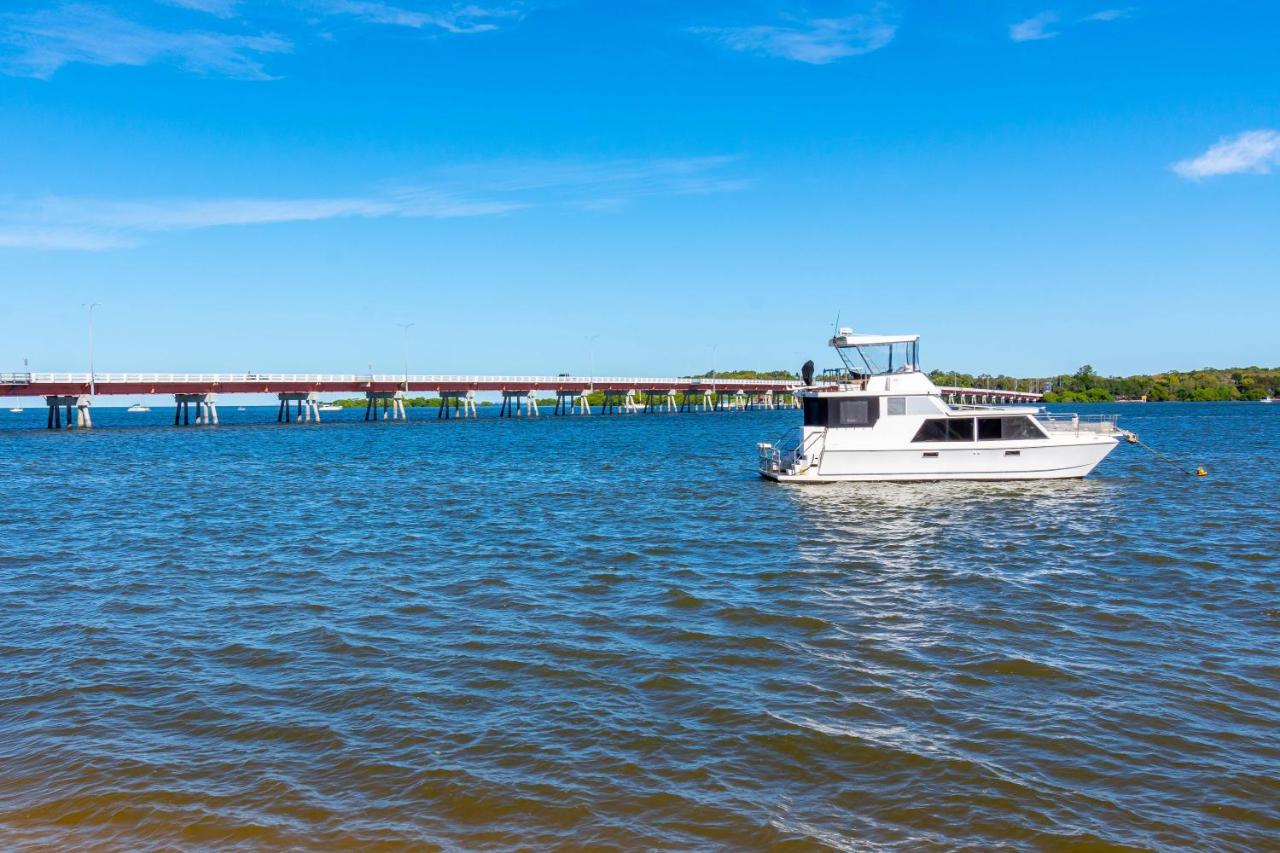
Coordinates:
x,y
405,327
92,382
713,369
591,372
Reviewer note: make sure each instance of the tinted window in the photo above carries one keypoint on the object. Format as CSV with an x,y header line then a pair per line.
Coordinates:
x,y
945,429
853,413
897,406
989,429
815,411
1007,429
1021,428
823,411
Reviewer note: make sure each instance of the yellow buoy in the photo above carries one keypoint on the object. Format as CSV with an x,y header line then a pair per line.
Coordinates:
x,y
1200,472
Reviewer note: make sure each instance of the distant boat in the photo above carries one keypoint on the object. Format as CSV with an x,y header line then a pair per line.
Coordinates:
x,y
1263,400
241,409
330,407
16,409
138,407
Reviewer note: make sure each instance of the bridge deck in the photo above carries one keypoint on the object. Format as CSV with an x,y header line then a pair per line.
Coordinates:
x,y
133,384
45,384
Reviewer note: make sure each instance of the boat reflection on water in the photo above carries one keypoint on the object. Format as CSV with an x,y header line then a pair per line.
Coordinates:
x,y
915,527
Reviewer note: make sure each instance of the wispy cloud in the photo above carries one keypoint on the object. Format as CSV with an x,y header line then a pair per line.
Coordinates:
x,y
817,41
58,239
39,43
1253,151
462,18
1049,24
1034,28
1106,15
76,223
220,8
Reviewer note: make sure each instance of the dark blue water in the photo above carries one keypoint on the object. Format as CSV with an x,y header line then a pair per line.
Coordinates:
x,y
609,632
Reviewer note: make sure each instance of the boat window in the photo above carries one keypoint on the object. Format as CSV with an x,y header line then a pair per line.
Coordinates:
x,y
815,411
897,406
945,429
922,406
1007,429
857,412
1021,428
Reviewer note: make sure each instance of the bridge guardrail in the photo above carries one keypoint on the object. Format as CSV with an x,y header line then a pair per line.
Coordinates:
x,y
381,378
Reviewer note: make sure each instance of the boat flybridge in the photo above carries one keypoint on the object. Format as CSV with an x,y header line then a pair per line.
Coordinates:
x,y
882,418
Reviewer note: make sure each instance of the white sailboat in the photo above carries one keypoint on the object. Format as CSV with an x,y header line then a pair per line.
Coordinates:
x,y
882,418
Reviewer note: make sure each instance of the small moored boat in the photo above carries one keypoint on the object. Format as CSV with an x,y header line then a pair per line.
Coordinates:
x,y
138,407
882,418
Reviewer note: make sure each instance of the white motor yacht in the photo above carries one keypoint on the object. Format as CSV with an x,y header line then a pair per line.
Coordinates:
x,y
137,408
329,407
882,418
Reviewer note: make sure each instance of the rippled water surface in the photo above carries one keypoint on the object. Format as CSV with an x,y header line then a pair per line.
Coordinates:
x,y
609,632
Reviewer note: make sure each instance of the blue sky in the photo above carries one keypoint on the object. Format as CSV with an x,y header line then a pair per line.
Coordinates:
x,y
275,184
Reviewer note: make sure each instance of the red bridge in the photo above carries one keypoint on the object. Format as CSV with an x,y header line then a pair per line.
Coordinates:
x,y
300,392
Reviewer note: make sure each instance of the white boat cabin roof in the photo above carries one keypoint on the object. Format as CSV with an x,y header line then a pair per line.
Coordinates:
x,y
846,338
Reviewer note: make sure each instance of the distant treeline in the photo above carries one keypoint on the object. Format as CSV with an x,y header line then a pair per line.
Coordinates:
x,y
1083,386
1086,386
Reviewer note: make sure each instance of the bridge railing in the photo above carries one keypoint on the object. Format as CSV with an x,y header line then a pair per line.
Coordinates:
x,y
380,378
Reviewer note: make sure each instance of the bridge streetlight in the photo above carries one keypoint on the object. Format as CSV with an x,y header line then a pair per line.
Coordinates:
x,y
92,382
405,327
591,372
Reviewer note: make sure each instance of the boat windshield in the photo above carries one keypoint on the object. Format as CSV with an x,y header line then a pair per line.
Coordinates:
x,y
881,358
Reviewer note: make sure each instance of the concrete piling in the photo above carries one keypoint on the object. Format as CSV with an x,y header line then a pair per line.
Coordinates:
x,y
77,403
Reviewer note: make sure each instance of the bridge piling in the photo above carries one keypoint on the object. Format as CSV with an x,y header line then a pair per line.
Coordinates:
x,y
79,403
392,405
455,404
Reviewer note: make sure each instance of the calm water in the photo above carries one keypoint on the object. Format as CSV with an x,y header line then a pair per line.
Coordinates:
x,y
609,632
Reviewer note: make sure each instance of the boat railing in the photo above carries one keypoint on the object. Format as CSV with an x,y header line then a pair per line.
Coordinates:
x,y
791,452
15,378
1070,422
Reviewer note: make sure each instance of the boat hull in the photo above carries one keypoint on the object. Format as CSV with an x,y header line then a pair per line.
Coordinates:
x,y
1040,462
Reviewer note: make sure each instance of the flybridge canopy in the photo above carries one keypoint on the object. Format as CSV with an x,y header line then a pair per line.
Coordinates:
x,y
878,354
847,338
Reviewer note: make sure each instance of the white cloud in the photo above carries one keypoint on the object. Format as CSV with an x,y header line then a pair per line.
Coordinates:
x,y
60,222
468,18
1252,151
1106,15
39,43
220,8
58,239
817,41
1041,26
1034,28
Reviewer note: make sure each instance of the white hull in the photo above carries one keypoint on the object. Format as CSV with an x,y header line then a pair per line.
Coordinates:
x,y
968,462
891,423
